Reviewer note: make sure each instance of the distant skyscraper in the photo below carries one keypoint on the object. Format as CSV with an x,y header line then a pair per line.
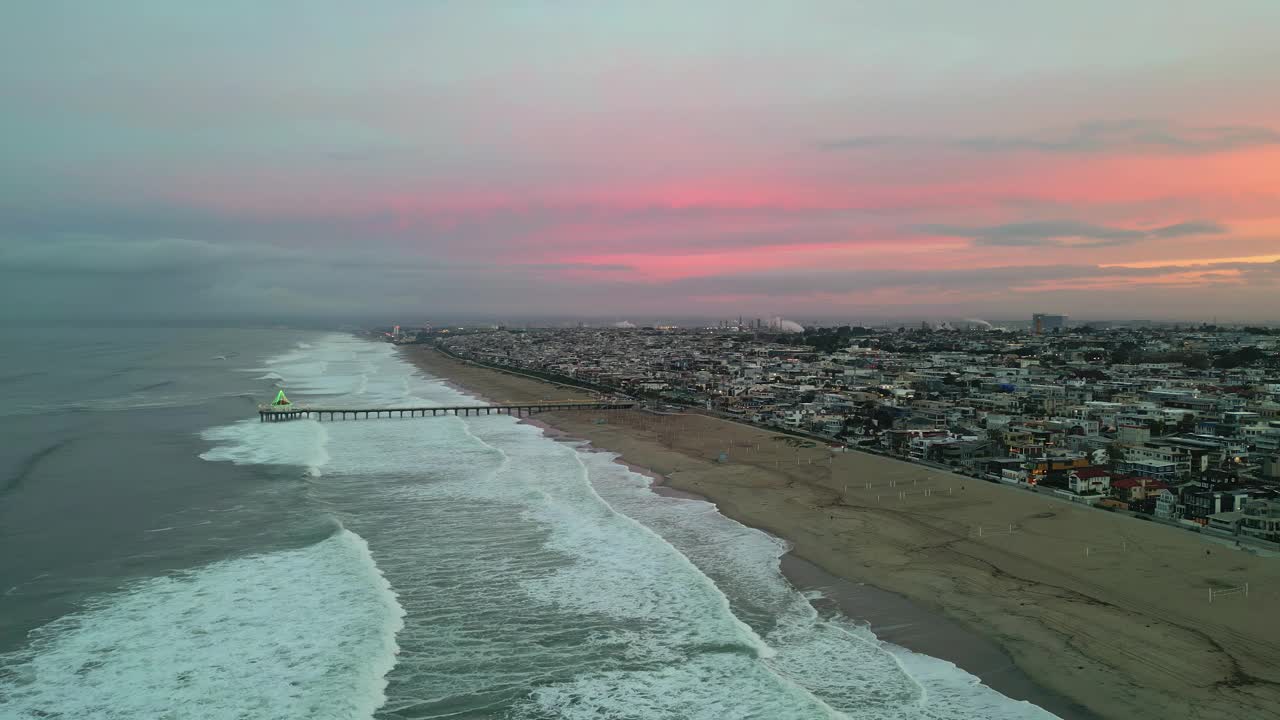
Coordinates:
x,y
1044,323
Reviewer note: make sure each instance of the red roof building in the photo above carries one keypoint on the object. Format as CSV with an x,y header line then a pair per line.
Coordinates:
x,y
1136,488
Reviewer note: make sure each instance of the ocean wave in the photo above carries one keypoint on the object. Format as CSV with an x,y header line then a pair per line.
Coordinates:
x,y
541,580
249,442
135,400
838,660
307,633
153,386
29,465
709,687
18,377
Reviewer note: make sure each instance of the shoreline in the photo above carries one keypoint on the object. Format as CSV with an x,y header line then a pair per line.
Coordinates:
x,y
892,618
1116,636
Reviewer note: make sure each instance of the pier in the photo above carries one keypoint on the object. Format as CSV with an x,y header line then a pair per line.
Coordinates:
x,y
282,413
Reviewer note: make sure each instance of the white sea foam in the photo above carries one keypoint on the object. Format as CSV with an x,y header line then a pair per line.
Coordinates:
x,y
307,633
555,583
709,687
618,568
249,442
839,661
950,692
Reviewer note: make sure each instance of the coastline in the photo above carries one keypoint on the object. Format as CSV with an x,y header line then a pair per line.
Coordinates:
x,y
893,618
1117,636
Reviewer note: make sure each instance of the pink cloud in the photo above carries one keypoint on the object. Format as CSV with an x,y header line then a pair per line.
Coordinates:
x,y
674,210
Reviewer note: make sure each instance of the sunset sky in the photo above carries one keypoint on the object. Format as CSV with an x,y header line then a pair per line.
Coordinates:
x,y
807,159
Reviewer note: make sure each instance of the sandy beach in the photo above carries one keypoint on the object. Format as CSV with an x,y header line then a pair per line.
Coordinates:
x,y
1107,612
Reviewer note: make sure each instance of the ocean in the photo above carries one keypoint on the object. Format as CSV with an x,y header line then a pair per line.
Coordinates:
x,y
163,554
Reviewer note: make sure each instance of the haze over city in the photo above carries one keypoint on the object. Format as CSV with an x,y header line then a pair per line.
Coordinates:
x,y
827,159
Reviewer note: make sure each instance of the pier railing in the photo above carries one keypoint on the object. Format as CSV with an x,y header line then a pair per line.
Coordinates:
x,y
282,413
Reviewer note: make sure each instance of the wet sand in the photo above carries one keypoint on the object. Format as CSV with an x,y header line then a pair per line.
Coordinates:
x,y
897,620
1123,633
893,618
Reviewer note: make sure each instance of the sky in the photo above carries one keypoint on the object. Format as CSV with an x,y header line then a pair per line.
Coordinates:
x,y
824,159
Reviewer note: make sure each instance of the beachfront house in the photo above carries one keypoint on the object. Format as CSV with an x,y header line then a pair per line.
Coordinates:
x,y
1260,519
1089,481
1136,489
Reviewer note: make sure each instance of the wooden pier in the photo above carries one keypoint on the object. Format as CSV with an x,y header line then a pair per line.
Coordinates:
x,y
282,413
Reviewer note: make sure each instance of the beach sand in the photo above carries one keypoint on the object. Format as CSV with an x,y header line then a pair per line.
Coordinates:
x,y
1124,633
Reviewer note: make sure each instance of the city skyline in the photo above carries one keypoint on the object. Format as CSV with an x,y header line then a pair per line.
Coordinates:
x,y
802,161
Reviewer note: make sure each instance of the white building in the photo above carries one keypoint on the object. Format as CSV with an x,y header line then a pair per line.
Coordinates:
x,y
1266,438
1151,454
1167,507
1089,481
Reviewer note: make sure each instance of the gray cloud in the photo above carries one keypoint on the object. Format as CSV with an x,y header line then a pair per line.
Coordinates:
x,y
1057,232
1089,137
98,254
787,283
105,277
600,267
1190,228
793,282
1261,272
101,278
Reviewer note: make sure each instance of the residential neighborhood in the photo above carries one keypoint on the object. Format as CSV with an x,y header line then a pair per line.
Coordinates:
x,y
1180,425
